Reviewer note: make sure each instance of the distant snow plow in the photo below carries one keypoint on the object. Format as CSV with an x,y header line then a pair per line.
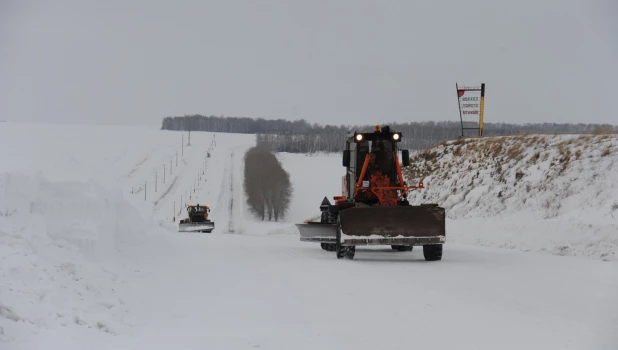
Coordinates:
x,y
197,221
373,208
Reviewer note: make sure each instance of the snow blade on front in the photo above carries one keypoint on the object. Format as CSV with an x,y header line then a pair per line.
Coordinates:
x,y
318,232
196,227
406,225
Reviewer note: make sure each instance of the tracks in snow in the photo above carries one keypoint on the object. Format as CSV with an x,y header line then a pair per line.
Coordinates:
x,y
169,189
229,201
137,167
231,204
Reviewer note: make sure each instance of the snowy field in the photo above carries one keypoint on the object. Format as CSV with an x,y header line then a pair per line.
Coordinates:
x,y
90,258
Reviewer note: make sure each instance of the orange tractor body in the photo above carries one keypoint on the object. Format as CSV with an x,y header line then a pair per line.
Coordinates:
x,y
373,208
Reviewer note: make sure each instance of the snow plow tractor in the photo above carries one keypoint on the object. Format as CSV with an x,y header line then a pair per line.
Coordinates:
x,y
373,208
197,221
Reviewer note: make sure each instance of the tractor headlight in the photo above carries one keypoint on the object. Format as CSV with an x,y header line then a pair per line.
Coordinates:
x,y
396,137
359,137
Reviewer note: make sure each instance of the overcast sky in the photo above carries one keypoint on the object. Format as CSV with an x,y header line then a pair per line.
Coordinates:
x,y
342,62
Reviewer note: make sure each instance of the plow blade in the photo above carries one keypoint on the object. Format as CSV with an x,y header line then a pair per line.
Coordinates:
x,y
406,225
197,227
317,232
404,221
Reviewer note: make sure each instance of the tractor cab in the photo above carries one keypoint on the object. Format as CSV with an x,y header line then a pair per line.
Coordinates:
x,y
198,213
372,160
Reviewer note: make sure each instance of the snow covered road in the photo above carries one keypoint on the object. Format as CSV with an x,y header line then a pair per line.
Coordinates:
x,y
273,292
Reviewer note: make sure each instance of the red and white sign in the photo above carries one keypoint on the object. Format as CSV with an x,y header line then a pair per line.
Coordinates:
x,y
470,103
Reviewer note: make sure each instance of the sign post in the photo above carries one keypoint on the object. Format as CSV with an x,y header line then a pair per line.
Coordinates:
x,y
471,100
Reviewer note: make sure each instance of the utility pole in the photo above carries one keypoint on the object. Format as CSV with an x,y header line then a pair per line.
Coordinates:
x,y
163,173
189,143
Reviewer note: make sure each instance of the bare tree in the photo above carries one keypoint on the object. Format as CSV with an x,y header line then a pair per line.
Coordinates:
x,y
267,185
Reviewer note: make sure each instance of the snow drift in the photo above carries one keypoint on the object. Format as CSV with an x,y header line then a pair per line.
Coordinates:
x,y
60,255
557,194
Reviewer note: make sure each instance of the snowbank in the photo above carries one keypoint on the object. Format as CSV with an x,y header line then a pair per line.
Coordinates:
x,y
61,256
556,194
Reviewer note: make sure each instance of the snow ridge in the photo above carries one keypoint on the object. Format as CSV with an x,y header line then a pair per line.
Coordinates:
x,y
558,192
61,256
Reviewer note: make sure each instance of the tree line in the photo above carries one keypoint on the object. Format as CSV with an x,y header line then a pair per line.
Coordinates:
x,y
267,185
300,136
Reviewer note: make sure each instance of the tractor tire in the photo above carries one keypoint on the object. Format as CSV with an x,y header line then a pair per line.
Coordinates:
x,y
324,217
402,248
343,251
432,252
347,252
351,252
329,247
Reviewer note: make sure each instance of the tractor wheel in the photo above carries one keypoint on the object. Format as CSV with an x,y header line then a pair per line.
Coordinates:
x,y
329,247
343,251
351,251
432,252
324,217
346,252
